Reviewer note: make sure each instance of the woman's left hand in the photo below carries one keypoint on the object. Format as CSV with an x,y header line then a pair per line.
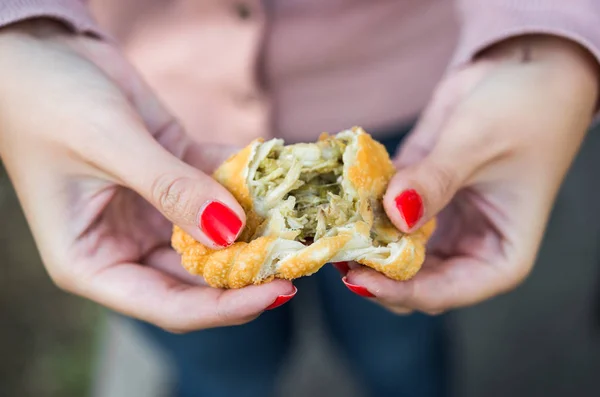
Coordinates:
x,y
487,158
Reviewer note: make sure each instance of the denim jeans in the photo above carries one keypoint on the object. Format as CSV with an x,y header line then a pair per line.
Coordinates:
x,y
393,356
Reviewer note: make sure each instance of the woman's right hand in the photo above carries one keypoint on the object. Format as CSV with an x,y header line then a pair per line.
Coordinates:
x,y
102,171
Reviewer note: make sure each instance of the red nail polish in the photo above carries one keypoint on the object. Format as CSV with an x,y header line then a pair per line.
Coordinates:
x,y
342,267
281,299
220,223
358,289
410,205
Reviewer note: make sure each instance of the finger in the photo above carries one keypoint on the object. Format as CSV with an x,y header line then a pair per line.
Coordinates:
x,y
344,267
440,285
151,165
150,295
341,267
168,261
183,194
116,139
400,310
122,147
418,192
444,149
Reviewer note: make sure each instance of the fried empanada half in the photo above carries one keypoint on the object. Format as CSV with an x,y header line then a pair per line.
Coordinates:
x,y
306,205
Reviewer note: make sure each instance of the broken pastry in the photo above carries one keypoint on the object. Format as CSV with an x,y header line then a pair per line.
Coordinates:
x,y
307,204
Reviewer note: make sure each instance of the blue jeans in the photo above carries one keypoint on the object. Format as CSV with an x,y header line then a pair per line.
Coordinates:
x,y
393,356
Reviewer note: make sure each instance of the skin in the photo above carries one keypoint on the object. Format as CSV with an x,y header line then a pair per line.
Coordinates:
x,y
102,170
488,157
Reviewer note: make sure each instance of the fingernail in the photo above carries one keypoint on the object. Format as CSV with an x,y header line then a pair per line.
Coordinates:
x,y
410,205
342,267
282,299
220,223
358,289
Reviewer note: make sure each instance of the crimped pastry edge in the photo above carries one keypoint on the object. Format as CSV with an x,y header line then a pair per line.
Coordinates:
x,y
259,261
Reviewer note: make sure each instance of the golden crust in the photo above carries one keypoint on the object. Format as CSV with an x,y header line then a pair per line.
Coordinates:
x,y
263,259
249,262
231,174
235,266
372,169
408,263
309,260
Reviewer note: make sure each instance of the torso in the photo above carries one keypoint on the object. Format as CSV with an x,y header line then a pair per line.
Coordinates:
x,y
287,68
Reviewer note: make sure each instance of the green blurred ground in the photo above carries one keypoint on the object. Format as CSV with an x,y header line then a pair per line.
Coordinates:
x,y
46,337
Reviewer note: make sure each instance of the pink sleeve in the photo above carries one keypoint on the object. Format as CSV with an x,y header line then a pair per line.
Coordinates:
x,y
73,13
485,22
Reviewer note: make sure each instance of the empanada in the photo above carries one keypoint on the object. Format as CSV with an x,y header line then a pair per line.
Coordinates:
x,y
307,204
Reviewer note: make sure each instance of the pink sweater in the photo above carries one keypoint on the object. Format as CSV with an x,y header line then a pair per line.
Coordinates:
x,y
235,70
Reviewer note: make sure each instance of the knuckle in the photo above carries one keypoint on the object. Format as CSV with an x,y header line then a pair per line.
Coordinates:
x,y
176,331
242,320
432,309
174,197
226,315
426,303
174,326
400,310
437,312
443,182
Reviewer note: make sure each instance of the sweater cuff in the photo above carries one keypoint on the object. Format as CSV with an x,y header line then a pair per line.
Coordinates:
x,y
484,23
72,13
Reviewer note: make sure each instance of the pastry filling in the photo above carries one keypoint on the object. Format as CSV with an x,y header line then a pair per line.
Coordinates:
x,y
300,187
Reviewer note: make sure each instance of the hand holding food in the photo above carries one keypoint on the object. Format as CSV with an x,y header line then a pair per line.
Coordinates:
x,y
487,159
306,205
102,171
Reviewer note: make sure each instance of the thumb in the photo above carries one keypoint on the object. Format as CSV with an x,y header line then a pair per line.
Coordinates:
x,y
183,194
422,189
158,161
417,193
440,155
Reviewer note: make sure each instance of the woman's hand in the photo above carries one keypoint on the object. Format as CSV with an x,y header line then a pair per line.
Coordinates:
x,y
102,170
489,156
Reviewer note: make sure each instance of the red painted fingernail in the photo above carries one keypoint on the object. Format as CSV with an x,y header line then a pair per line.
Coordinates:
x,y
358,289
281,299
410,205
342,267
220,223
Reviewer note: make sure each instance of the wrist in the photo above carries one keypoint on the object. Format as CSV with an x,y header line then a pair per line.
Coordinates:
x,y
572,62
26,36
36,27
32,33
20,44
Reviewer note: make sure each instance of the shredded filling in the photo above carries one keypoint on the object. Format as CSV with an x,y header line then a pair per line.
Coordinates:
x,y
301,188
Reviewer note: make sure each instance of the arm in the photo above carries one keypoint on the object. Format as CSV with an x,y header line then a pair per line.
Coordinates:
x,y
485,23
102,171
491,150
74,14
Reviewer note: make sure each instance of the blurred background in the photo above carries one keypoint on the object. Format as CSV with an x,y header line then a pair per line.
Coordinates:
x,y
541,340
